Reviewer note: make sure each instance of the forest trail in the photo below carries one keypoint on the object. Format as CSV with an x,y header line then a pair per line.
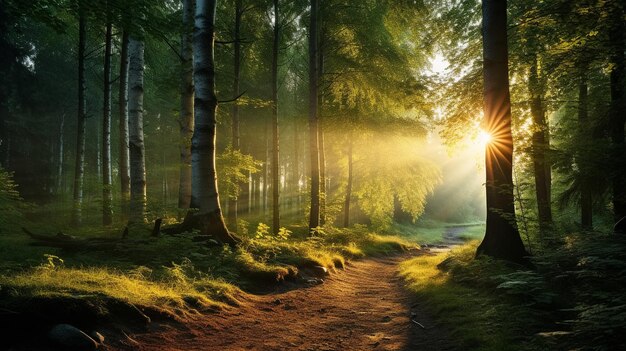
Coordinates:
x,y
364,307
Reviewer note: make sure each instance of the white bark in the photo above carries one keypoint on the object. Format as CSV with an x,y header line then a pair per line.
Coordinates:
x,y
135,127
204,194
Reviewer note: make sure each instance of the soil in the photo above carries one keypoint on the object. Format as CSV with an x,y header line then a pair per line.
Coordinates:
x,y
364,307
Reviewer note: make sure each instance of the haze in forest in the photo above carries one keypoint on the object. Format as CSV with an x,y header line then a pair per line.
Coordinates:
x,y
312,175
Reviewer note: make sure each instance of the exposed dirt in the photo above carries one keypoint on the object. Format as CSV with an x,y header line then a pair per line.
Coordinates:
x,y
364,307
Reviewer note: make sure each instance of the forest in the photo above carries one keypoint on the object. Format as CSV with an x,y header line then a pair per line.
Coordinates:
x,y
312,175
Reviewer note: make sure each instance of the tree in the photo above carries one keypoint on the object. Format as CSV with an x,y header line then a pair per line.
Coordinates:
x,y
617,116
185,120
123,160
275,136
502,239
586,195
314,214
204,192
79,167
348,199
107,196
136,137
233,202
540,145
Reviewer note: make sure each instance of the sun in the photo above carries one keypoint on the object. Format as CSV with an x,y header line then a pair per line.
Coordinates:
x,y
484,138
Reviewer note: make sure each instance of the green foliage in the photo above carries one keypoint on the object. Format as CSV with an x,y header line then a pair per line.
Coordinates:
x,y
234,168
262,231
283,233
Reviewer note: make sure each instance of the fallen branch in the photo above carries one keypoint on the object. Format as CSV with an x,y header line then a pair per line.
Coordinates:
x,y
418,323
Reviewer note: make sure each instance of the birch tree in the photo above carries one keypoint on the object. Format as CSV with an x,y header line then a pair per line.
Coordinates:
x,y
107,197
136,143
124,166
204,192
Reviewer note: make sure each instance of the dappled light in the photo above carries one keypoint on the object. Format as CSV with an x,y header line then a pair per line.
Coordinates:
x,y
312,175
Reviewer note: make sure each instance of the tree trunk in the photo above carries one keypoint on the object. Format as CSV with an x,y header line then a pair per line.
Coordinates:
x,y
586,197
186,106
61,158
204,192
79,170
107,197
266,166
346,203
617,111
233,202
314,216
320,135
136,144
296,165
275,137
540,146
502,239
124,165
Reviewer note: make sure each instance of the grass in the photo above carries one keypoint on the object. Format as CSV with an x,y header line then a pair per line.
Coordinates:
x,y
432,232
175,274
460,292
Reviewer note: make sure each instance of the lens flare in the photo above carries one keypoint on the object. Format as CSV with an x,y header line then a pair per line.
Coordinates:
x,y
484,138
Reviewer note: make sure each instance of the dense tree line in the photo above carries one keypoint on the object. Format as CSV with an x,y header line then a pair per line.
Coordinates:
x,y
287,111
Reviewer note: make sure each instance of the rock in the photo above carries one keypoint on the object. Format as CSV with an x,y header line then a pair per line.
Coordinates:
x,y
277,302
71,338
99,338
289,307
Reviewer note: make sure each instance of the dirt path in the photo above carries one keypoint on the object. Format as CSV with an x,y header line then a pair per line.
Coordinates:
x,y
362,308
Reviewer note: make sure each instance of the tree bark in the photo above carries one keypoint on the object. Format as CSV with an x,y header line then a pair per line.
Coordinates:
x,y
275,136
314,215
186,119
124,163
617,110
233,202
586,197
79,166
346,203
136,140
540,145
502,239
320,135
296,164
61,155
107,197
204,192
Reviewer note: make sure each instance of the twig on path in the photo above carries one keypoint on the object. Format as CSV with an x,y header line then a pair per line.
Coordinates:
x,y
418,323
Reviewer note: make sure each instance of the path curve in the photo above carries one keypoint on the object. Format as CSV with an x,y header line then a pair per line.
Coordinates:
x,y
364,307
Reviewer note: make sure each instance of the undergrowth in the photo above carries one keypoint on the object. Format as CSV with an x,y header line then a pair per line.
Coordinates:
x,y
176,273
572,300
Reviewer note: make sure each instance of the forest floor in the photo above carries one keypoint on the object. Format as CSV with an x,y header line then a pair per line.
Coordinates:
x,y
364,307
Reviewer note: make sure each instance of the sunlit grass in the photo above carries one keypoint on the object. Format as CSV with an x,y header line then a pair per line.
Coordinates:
x,y
168,289
452,288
